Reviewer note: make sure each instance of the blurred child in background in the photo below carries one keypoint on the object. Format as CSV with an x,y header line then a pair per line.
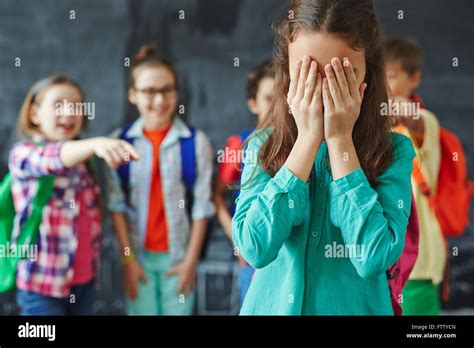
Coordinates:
x,y
161,203
61,279
421,295
260,84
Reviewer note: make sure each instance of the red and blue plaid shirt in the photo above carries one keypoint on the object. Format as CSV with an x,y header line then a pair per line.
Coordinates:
x,y
51,272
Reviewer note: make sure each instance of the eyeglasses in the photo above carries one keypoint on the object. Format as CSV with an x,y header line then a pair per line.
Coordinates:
x,y
150,93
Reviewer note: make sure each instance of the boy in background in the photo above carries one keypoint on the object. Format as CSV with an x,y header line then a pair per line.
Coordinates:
x,y
260,83
421,294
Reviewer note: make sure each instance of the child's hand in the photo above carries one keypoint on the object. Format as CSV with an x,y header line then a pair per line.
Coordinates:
x,y
342,98
186,271
305,100
114,151
132,274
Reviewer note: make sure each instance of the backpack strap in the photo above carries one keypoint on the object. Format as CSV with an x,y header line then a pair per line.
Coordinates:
x,y
417,175
30,230
189,168
7,212
243,137
124,170
245,134
188,159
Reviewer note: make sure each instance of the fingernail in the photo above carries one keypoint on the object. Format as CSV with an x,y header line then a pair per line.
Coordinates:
x,y
306,59
345,62
313,64
328,69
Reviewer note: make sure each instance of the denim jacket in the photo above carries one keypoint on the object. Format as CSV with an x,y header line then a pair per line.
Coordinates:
x,y
174,193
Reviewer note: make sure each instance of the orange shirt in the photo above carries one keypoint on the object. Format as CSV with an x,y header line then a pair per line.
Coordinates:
x,y
156,233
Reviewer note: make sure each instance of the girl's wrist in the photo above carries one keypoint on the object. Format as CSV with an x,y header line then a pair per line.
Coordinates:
x,y
339,139
128,259
310,138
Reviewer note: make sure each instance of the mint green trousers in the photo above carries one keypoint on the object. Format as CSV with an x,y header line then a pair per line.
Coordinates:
x,y
158,296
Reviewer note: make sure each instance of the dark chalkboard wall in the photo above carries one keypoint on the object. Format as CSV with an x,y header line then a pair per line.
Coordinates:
x,y
205,45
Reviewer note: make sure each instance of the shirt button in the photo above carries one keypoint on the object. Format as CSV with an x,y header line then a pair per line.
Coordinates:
x,y
314,234
319,212
322,186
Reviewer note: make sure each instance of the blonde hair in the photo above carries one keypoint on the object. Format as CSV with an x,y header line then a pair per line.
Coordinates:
x,y
25,127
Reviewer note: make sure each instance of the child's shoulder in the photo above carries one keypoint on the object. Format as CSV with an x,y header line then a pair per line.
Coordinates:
x,y
22,146
429,117
402,146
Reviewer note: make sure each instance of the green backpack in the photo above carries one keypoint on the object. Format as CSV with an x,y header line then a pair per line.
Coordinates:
x,y
29,232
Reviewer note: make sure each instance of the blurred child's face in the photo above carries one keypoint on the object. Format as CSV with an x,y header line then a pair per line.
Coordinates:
x,y
54,121
322,47
400,82
261,104
154,95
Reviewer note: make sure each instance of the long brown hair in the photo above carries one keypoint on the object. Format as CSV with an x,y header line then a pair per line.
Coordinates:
x,y
356,22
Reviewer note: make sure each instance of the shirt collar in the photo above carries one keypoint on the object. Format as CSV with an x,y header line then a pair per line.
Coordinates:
x,y
178,130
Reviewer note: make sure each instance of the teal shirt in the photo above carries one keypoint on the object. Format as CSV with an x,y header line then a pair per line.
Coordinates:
x,y
322,248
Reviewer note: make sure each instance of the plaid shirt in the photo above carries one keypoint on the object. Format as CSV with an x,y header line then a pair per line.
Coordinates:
x,y
174,196
51,274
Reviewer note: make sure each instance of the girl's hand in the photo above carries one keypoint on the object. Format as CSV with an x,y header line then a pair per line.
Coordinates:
x,y
304,99
132,274
114,151
342,98
186,271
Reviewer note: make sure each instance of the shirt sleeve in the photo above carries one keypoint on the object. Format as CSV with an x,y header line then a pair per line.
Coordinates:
x,y
30,160
267,209
375,218
115,199
203,207
114,195
229,170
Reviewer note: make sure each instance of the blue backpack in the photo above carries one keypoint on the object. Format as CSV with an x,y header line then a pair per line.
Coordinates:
x,y
188,165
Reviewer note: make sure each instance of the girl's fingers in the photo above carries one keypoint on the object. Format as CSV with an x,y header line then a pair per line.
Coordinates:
x,y
117,155
180,287
303,77
341,78
143,277
317,95
294,76
333,87
351,77
327,99
130,149
362,89
310,82
108,158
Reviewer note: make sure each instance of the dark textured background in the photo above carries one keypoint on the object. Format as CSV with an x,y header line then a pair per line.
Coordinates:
x,y
92,48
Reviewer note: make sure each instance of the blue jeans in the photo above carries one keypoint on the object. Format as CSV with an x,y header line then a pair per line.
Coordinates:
x,y
245,277
32,303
